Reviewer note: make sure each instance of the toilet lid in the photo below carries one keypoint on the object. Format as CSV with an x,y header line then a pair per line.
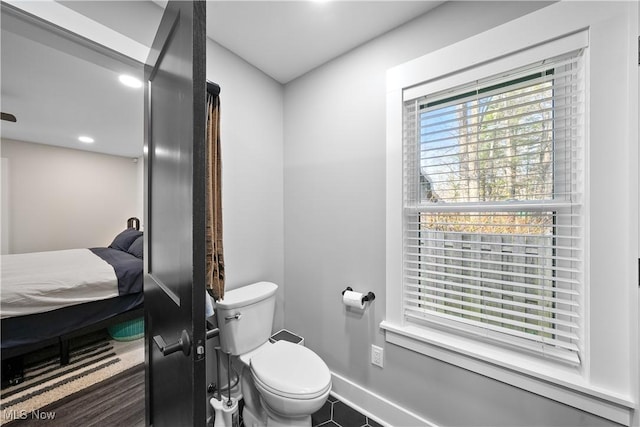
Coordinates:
x,y
291,369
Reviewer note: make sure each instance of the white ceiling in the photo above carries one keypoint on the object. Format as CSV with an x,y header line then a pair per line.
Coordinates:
x,y
286,39
60,92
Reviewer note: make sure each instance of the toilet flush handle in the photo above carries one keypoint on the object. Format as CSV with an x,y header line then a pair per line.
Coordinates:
x,y
236,316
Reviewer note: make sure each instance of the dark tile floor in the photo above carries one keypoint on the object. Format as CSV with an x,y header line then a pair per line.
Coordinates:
x,y
337,413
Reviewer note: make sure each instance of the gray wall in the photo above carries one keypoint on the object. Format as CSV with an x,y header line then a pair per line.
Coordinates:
x,y
252,171
60,198
334,216
251,120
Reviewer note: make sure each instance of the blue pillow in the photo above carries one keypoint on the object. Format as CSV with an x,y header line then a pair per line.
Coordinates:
x,y
125,239
137,247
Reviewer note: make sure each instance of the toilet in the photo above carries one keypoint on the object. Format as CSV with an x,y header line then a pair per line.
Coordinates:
x,y
282,383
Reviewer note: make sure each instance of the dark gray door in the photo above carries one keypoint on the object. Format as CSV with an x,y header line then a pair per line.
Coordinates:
x,y
175,119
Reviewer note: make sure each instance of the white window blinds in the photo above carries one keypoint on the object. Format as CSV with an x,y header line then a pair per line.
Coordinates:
x,y
493,213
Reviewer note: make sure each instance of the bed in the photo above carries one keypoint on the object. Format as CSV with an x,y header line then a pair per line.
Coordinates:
x,y
49,297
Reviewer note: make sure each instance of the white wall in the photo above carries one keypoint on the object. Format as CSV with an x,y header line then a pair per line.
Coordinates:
x,y
59,198
252,171
334,160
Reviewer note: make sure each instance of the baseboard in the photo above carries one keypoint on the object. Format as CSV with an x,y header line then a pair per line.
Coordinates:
x,y
374,406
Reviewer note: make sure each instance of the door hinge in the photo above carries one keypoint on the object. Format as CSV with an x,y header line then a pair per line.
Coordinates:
x,y
638,50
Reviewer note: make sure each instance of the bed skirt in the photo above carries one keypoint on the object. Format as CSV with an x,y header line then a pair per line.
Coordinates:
x,y
24,331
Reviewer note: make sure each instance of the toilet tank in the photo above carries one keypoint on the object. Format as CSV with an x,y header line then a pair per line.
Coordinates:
x,y
245,317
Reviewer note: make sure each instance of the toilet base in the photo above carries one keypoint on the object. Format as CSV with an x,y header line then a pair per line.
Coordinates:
x,y
249,419
293,422
271,420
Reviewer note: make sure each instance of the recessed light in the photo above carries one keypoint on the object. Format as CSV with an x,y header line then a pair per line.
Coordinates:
x,y
130,81
86,139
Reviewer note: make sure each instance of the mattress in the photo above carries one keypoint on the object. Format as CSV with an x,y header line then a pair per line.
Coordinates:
x,y
44,281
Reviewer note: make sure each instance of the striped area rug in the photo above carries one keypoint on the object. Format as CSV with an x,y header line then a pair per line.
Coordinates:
x,y
92,359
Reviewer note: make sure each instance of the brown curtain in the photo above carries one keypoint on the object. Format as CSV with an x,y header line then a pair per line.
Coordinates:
x,y
215,258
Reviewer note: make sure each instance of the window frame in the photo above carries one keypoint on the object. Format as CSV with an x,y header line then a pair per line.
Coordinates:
x,y
604,387
557,205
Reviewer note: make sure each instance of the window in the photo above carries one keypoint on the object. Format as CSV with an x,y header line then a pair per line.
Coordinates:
x,y
511,214
492,208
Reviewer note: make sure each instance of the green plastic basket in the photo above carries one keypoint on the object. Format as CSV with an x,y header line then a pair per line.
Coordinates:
x,y
127,331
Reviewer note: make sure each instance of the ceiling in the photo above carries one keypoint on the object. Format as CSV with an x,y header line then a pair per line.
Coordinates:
x,y
60,90
78,92
286,39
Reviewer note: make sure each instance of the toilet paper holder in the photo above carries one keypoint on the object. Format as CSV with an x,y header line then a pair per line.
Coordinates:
x,y
368,297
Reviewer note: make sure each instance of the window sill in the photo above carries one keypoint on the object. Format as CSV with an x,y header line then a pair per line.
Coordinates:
x,y
560,383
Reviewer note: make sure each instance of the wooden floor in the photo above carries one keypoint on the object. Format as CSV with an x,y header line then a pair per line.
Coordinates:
x,y
118,401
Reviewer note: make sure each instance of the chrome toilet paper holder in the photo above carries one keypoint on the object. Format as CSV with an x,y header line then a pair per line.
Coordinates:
x,y
368,297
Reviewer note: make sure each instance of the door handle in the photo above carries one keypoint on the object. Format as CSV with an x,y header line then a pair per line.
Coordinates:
x,y
184,344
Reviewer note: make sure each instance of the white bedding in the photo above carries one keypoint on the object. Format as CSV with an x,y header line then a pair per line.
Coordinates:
x,y
44,281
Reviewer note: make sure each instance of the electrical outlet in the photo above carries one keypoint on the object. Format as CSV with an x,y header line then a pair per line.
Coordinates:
x,y
377,355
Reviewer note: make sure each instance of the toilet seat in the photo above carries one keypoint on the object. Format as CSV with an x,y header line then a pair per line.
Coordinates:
x,y
290,396
291,371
